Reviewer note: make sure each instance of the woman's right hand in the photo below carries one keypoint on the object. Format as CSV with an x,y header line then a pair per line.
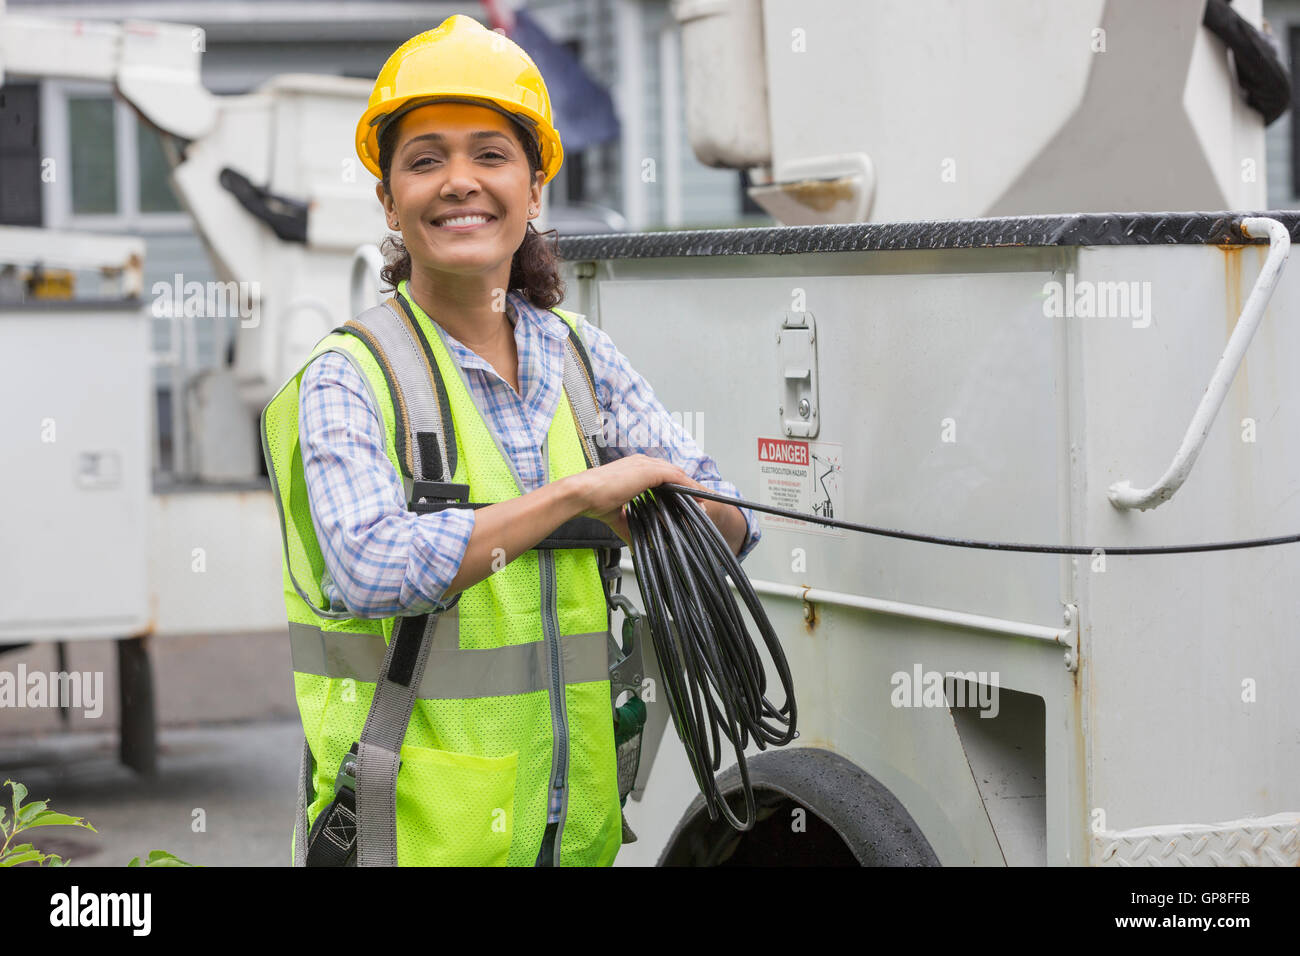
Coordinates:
x,y
608,488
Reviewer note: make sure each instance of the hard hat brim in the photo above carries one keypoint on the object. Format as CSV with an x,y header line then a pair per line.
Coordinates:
x,y
373,121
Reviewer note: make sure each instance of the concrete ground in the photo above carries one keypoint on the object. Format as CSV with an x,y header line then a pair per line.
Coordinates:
x,y
223,796
229,746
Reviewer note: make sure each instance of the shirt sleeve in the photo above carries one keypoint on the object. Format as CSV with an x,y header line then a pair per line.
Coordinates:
x,y
637,422
381,560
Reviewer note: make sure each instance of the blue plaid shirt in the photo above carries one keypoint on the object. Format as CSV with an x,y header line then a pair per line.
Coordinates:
x,y
382,560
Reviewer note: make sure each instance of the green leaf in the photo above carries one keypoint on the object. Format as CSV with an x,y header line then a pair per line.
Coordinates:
x,y
159,858
22,856
48,818
19,792
163,858
56,861
30,812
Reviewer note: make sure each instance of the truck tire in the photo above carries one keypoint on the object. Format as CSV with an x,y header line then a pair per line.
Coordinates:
x,y
814,808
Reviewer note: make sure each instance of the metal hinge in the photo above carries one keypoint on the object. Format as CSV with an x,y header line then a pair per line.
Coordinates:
x,y
1070,637
797,340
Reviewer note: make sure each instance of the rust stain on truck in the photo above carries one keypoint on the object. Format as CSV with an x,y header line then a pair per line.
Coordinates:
x,y
1231,284
810,616
1233,302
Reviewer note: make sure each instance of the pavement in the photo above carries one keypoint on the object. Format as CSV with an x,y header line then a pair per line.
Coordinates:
x,y
223,795
229,745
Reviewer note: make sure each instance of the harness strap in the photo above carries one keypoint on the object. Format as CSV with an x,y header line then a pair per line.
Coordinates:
x,y
305,786
421,406
359,827
361,822
579,385
380,745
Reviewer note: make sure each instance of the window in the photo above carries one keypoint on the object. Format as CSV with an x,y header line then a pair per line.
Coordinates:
x,y
1293,42
94,154
110,170
155,192
573,172
20,155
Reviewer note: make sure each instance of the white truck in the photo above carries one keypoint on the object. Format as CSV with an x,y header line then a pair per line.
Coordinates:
x,y
953,333
997,355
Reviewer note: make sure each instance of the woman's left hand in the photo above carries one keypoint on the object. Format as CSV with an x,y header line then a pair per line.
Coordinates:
x,y
710,507
717,512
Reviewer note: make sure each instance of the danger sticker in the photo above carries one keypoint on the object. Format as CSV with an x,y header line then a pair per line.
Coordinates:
x,y
802,476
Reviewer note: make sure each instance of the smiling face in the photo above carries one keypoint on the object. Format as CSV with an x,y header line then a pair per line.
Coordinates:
x,y
461,189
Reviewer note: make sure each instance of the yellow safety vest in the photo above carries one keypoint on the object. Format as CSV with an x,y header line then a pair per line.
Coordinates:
x,y
507,692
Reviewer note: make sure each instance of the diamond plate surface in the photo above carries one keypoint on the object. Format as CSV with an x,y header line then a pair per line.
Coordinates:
x,y
1266,841
1079,229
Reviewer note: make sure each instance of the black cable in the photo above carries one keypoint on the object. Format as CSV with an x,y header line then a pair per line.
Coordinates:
x,y
986,545
712,674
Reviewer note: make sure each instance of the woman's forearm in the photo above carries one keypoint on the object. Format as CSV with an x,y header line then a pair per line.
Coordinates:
x,y
731,523
507,529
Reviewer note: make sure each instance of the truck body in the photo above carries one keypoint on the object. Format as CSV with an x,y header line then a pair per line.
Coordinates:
x,y
1084,699
952,333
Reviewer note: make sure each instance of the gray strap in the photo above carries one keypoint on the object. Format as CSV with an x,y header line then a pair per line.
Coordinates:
x,y
380,746
410,368
305,786
582,396
414,373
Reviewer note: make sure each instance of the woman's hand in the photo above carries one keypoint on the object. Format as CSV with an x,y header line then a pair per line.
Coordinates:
x,y
726,518
607,490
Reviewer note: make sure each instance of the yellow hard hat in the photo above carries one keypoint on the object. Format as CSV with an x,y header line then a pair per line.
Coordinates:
x,y
461,60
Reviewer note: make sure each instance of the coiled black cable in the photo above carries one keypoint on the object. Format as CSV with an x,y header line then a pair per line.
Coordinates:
x,y
712,674
706,657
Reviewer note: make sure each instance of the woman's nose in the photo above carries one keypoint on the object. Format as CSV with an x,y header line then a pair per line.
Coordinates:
x,y
460,179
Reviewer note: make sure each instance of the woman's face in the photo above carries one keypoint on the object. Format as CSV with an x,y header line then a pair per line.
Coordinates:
x,y
452,159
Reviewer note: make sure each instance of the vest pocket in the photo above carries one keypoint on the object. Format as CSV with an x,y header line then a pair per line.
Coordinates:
x,y
454,809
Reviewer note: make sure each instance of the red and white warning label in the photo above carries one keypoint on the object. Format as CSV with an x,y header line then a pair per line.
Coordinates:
x,y
803,476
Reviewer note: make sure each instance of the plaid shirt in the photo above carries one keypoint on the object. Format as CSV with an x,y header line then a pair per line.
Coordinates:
x,y
382,560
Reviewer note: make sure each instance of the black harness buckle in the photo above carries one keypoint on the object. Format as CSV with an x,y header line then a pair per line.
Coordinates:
x,y
442,494
333,837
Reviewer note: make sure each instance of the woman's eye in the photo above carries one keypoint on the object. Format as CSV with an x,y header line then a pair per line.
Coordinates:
x,y
429,159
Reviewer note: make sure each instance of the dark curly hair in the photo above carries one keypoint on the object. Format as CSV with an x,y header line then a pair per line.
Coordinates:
x,y
534,271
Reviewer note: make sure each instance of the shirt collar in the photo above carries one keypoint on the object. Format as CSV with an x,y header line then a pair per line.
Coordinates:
x,y
544,319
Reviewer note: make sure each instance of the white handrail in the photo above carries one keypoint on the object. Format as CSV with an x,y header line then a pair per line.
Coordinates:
x,y
367,262
1122,494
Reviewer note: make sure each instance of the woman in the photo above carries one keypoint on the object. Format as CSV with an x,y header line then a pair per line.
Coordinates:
x,y
524,771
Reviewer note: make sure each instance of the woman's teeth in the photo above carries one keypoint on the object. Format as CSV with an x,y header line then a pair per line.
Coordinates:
x,y
463,221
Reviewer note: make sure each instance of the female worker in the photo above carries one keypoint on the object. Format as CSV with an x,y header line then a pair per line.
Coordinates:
x,y
486,737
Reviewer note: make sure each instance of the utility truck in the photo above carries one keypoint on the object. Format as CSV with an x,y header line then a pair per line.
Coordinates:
x,y
1024,289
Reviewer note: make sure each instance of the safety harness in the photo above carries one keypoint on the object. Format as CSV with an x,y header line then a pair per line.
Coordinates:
x,y
359,826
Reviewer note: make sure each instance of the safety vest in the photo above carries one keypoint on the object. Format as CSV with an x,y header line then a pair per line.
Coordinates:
x,y
506,693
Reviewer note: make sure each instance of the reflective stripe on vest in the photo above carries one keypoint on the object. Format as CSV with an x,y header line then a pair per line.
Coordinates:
x,y
452,672
514,698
